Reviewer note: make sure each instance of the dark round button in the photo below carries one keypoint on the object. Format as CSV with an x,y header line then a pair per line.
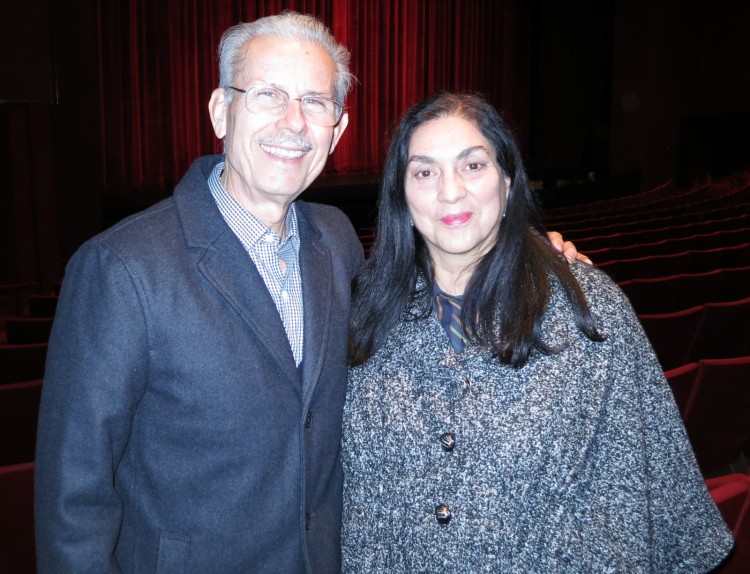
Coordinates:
x,y
443,514
448,441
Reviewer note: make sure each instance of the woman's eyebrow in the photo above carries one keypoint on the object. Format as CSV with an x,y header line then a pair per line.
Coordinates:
x,y
421,159
470,150
464,153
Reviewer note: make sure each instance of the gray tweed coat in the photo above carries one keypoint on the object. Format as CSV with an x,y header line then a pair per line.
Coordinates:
x,y
577,462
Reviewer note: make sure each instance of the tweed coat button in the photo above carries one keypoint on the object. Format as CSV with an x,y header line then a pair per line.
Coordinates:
x,y
443,514
448,441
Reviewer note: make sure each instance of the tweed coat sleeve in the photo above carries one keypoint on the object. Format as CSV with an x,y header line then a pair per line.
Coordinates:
x,y
685,530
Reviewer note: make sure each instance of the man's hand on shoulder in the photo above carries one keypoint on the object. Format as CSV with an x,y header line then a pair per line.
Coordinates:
x,y
567,248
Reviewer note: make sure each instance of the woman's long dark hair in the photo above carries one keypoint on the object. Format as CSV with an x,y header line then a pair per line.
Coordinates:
x,y
509,288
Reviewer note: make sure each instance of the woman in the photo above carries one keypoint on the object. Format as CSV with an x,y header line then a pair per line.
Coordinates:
x,y
533,431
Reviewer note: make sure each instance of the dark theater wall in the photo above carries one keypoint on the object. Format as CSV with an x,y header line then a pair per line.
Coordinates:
x,y
571,83
50,199
681,88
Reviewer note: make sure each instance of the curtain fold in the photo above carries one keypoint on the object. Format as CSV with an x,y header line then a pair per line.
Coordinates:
x,y
158,67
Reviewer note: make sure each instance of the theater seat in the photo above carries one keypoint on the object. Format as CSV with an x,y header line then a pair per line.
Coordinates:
x,y
22,362
42,305
716,416
25,330
17,519
19,411
724,331
731,493
682,382
672,334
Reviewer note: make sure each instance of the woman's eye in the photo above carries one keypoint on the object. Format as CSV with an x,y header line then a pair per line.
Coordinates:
x,y
474,165
423,174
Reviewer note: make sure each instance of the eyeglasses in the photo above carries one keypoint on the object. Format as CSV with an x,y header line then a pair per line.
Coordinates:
x,y
317,110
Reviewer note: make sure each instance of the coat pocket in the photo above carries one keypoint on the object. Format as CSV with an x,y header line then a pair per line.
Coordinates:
x,y
173,552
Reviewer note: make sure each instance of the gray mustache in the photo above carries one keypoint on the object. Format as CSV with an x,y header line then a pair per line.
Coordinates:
x,y
281,139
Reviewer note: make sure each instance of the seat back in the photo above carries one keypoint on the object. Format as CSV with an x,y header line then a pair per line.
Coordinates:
x,y
724,331
682,382
731,493
735,284
672,334
673,293
22,362
25,330
721,257
17,523
647,267
19,413
673,245
716,416
42,305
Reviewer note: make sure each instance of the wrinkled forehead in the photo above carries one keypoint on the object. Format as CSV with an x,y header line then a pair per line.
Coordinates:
x,y
295,65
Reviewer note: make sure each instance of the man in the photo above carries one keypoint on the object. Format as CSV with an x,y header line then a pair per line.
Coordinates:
x,y
192,403
191,413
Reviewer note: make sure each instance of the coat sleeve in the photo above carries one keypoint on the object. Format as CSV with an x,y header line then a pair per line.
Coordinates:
x,y
95,375
687,532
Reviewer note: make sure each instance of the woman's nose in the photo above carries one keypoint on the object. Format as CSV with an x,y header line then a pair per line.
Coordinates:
x,y
451,187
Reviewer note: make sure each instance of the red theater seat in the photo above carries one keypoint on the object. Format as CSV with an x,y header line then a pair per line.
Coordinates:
x,y
672,334
716,415
731,493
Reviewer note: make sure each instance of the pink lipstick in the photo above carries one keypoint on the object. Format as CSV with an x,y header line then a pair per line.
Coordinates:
x,y
456,218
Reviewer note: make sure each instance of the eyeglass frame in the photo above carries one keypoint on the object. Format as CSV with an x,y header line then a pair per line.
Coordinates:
x,y
338,105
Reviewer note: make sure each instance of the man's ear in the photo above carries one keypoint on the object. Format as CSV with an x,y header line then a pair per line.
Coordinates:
x,y
217,109
338,130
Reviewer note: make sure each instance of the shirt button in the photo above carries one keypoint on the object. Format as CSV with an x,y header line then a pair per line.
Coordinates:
x,y
443,514
448,441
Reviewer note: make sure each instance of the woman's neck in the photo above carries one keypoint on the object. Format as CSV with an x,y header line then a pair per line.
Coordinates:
x,y
452,281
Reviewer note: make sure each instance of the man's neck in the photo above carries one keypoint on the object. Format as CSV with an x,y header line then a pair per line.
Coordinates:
x,y
270,213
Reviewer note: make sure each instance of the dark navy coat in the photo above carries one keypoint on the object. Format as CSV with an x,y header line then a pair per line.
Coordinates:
x,y
176,433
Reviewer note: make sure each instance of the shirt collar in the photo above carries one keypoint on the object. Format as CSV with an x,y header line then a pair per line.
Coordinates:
x,y
437,291
237,217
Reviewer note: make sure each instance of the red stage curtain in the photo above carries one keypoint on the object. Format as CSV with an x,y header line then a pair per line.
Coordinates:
x,y
158,68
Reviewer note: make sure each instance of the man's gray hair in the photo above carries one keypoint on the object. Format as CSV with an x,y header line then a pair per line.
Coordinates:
x,y
286,25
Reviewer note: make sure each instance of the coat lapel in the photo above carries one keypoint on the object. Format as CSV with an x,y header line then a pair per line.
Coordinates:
x,y
317,292
222,259
234,275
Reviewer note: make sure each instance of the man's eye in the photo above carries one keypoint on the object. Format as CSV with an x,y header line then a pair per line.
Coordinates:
x,y
268,94
311,102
